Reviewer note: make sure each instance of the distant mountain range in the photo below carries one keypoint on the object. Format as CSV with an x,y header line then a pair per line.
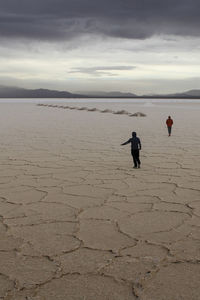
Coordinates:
x,y
187,94
109,94
16,92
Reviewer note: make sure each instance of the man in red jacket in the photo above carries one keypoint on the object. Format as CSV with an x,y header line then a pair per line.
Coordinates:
x,y
169,123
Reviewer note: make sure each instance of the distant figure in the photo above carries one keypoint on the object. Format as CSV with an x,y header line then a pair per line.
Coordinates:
x,y
169,123
135,149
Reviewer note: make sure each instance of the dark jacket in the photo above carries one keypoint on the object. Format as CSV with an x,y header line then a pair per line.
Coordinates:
x,y
135,143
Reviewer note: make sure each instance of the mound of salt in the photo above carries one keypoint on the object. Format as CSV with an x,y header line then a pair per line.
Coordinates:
x,y
82,108
121,112
138,114
92,109
107,111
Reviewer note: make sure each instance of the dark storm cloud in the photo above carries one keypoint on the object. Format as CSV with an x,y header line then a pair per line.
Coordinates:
x,y
103,70
60,19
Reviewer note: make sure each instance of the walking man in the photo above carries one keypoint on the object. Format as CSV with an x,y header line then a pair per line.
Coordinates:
x,y
135,149
169,123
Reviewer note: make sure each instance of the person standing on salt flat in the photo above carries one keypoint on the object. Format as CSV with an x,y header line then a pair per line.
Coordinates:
x,y
135,149
169,123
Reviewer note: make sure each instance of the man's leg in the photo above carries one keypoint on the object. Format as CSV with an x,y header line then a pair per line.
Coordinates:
x,y
169,130
137,156
138,159
134,158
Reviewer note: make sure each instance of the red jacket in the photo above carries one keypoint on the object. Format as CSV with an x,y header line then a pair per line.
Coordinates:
x,y
169,122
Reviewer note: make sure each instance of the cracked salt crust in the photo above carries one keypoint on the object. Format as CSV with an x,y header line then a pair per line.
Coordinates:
x,y
77,221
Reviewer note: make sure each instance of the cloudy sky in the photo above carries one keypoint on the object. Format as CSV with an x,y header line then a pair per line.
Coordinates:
x,y
139,46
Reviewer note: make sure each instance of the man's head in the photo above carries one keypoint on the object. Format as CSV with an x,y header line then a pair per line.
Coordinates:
x,y
169,117
134,134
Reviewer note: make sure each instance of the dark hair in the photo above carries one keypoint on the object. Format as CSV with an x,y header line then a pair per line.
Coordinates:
x,y
134,133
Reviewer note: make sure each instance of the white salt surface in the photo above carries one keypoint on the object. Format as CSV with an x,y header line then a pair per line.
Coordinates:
x,y
77,221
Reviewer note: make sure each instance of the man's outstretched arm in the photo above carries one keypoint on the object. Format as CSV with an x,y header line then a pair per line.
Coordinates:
x,y
127,142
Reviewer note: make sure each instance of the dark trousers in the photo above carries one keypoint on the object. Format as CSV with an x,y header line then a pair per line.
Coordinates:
x,y
169,129
136,154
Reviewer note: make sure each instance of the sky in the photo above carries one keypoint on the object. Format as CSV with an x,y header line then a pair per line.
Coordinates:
x,y
138,46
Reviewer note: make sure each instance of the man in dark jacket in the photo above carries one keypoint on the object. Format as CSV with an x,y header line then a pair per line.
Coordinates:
x,y
135,149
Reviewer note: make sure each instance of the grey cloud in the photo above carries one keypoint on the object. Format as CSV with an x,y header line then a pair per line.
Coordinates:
x,y
66,19
102,70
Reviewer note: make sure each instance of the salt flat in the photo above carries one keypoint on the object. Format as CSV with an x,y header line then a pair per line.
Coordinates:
x,y
77,222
